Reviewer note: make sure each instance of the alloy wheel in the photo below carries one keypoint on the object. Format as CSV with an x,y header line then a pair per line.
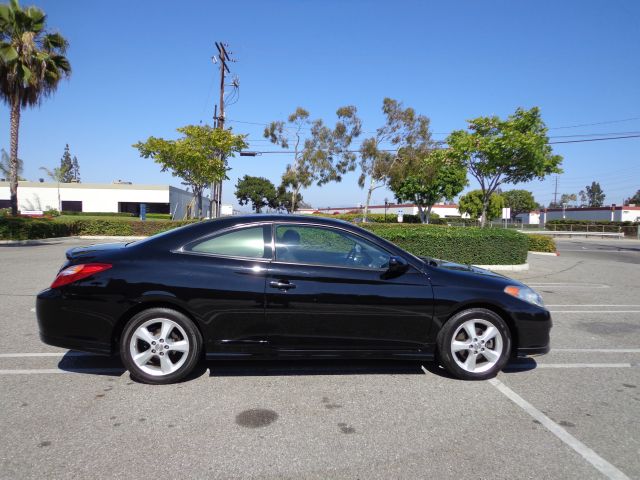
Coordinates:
x,y
159,346
476,345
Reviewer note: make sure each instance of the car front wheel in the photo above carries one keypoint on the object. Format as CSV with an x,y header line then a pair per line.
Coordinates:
x,y
160,346
474,344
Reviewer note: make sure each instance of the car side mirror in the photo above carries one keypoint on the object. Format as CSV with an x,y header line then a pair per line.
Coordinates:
x,y
397,266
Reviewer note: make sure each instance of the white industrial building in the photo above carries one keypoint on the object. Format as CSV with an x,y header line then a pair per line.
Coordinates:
x,y
614,213
441,210
104,197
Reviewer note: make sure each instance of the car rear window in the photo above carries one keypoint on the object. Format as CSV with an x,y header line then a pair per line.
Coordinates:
x,y
244,242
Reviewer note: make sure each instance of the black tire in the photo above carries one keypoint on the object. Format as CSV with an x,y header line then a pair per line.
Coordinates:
x,y
191,334
445,355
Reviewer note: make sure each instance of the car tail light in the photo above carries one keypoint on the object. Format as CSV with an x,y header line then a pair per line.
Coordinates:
x,y
78,272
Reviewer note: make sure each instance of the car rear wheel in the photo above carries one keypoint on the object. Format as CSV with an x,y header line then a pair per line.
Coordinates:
x,y
474,344
160,346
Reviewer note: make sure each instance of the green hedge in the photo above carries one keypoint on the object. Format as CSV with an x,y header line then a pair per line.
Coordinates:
x,y
462,245
566,224
467,245
381,218
98,214
541,243
23,228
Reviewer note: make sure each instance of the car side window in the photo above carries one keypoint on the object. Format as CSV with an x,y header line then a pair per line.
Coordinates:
x,y
327,246
244,242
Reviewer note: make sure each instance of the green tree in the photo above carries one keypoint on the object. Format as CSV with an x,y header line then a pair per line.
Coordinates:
x,y
32,63
496,151
320,158
58,175
595,195
75,169
198,157
428,180
258,191
5,166
634,199
519,201
410,139
473,204
66,165
568,198
284,199
583,198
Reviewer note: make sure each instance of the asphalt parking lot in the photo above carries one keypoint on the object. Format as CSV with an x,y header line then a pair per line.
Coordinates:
x,y
574,413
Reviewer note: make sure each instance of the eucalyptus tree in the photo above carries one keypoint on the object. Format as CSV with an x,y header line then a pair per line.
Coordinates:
x,y
32,63
404,137
320,154
595,195
496,151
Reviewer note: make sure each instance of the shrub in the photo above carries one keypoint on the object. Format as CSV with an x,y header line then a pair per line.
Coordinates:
x,y
567,224
382,218
99,214
541,243
23,228
467,245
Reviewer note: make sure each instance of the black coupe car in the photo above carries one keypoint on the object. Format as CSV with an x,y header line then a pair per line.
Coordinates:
x,y
284,286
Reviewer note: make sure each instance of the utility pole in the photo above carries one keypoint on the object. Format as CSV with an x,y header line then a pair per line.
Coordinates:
x,y
555,194
216,188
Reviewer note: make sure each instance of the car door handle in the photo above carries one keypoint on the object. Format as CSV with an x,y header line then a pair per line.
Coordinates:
x,y
281,285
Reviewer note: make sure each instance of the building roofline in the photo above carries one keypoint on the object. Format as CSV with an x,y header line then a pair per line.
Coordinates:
x,y
94,186
389,205
593,209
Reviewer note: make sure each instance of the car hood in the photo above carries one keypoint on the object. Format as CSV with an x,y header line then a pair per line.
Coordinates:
x,y
91,251
469,270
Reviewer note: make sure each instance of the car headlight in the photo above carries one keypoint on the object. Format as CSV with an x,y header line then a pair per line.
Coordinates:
x,y
525,293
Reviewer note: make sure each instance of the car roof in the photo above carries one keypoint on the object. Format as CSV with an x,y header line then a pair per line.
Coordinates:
x,y
284,218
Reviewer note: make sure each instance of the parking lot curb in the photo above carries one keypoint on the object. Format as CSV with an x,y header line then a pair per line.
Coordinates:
x,y
505,268
40,241
550,254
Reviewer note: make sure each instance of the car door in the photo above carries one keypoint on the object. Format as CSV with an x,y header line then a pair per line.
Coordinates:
x,y
327,289
226,277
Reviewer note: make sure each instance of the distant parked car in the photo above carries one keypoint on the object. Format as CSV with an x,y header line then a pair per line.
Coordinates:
x,y
284,286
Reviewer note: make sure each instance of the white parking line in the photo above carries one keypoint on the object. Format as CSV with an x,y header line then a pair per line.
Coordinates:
x,y
37,371
594,305
604,467
47,354
597,350
570,365
594,311
568,285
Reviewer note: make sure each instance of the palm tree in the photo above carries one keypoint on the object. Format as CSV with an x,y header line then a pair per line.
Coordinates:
x,y
5,165
32,63
57,175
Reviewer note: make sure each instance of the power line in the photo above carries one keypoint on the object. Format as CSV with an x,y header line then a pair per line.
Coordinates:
x,y
551,143
596,123
595,139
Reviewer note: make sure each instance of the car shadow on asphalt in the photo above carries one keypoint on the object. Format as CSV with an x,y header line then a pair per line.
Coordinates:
x,y
249,368
76,362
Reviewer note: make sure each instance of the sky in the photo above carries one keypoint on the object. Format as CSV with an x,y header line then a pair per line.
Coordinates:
x,y
144,68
